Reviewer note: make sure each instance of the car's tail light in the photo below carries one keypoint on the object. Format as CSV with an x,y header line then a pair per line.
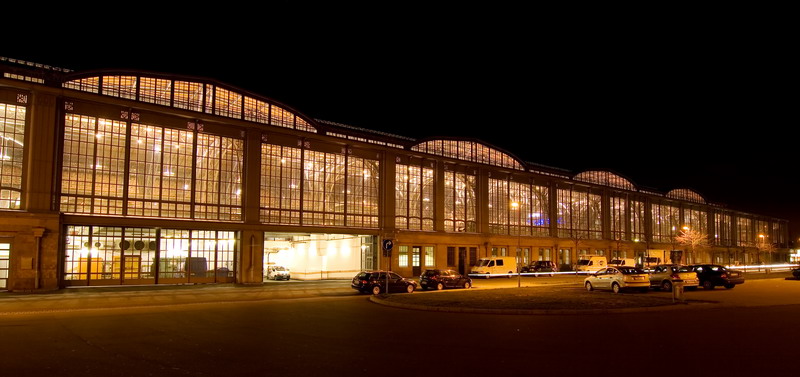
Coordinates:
x,y
675,276
364,282
723,276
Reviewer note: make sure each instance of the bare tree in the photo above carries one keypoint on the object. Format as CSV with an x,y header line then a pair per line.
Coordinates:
x,y
765,247
693,240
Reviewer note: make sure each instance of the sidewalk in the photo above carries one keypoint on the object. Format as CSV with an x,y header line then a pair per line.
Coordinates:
x,y
94,298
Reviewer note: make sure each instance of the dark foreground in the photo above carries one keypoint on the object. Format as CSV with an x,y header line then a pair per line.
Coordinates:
x,y
350,336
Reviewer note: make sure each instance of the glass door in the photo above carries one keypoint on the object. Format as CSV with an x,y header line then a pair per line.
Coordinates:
x,y
416,267
5,256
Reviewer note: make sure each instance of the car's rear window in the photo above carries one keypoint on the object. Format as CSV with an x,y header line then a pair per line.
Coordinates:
x,y
363,275
631,270
430,273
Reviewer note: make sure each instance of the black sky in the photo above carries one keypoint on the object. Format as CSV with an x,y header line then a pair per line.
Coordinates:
x,y
709,111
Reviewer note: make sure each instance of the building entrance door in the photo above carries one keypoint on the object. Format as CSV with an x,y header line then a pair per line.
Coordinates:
x,y
5,257
462,260
416,266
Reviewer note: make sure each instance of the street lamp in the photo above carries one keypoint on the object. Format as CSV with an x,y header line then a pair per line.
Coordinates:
x,y
515,206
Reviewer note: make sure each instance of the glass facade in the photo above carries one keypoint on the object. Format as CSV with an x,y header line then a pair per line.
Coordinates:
x,y
119,255
722,225
666,222
460,202
414,199
304,187
132,183
579,214
518,208
12,147
469,151
129,169
194,96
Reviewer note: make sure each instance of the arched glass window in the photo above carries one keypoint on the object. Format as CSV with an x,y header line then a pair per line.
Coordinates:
x,y
469,151
686,194
605,178
191,95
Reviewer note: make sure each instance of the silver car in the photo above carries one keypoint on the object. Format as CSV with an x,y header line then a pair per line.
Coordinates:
x,y
664,275
618,279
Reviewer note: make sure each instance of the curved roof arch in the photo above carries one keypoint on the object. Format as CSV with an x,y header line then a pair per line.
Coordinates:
x,y
686,194
469,150
190,93
605,178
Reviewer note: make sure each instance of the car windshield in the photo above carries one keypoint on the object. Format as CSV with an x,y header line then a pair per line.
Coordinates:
x,y
583,262
484,263
684,269
280,268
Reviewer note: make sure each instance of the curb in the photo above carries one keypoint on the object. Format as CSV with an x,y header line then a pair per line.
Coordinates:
x,y
668,307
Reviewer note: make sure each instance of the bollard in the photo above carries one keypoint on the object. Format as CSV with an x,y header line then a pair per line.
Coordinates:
x,y
677,291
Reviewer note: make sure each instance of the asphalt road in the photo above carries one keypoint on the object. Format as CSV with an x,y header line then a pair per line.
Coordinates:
x,y
346,335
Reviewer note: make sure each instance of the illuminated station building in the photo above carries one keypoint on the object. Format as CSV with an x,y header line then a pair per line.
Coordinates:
x,y
113,178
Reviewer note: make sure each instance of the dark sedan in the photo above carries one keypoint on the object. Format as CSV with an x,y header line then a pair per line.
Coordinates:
x,y
441,279
376,282
712,275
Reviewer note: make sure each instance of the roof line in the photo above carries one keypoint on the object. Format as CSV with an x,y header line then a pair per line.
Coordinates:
x,y
337,124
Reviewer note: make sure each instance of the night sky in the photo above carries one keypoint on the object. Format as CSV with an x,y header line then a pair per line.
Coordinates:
x,y
709,113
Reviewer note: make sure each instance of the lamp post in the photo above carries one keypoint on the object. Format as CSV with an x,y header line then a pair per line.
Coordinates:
x,y
515,206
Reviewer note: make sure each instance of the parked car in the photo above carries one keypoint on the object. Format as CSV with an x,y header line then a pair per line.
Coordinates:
x,y
441,279
540,267
375,282
796,273
664,275
618,279
712,275
278,273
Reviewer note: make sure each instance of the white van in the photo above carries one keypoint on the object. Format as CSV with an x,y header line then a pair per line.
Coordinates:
x,y
591,263
495,266
619,262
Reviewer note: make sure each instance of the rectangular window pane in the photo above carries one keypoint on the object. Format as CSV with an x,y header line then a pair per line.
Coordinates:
x,y
12,139
280,184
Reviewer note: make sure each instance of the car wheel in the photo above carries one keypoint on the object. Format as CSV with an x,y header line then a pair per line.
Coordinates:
x,y
615,287
467,285
410,288
588,286
376,290
439,286
729,286
666,286
708,285
796,273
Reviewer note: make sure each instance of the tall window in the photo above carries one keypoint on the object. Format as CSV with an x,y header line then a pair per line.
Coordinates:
x,y
518,208
460,193
722,225
362,192
414,197
618,209
579,214
666,222
334,189
696,219
637,219
281,174
323,188
12,143
93,171
744,232
162,177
